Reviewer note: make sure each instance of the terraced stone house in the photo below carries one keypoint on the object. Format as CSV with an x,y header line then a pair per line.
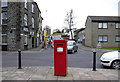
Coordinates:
x,y
21,24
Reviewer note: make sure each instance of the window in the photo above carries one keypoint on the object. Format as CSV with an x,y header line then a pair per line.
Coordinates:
x,y
25,40
117,25
117,38
4,3
4,31
4,18
39,15
103,38
25,19
102,25
4,38
25,4
32,8
40,25
33,22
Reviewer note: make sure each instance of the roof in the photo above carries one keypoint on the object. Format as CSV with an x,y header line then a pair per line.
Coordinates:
x,y
104,18
78,30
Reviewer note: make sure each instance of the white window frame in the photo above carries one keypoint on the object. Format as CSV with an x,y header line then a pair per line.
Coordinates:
x,y
25,19
32,8
5,42
102,38
117,25
25,4
33,22
100,25
39,15
25,40
5,18
4,3
103,25
117,38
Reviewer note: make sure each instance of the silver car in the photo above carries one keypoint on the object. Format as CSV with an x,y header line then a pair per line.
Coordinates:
x,y
71,46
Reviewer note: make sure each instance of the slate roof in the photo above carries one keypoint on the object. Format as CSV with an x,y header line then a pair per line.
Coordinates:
x,y
78,30
104,18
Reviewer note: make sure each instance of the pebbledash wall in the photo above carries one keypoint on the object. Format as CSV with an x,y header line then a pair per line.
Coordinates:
x,y
109,35
21,25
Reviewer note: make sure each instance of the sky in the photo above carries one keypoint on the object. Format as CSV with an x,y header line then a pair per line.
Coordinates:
x,y
54,11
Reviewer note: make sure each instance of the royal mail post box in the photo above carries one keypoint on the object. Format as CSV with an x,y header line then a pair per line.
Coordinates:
x,y
60,57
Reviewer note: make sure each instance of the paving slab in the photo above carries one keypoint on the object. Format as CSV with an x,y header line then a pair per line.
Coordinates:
x,y
47,73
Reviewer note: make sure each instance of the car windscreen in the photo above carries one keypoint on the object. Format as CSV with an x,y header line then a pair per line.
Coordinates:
x,y
70,43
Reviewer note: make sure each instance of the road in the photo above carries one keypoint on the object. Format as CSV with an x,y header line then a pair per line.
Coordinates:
x,y
44,57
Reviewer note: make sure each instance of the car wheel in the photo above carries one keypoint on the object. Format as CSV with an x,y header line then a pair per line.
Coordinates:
x,y
72,51
116,64
76,50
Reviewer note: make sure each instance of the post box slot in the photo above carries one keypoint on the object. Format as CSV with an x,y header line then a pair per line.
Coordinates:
x,y
59,44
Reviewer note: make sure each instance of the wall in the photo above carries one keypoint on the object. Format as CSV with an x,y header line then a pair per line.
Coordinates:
x,y
111,32
13,25
88,33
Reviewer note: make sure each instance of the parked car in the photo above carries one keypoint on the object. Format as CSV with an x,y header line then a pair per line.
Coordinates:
x,y
71,46
111,59
79,41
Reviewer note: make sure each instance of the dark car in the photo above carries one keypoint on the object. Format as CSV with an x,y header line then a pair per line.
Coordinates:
x,y
72,46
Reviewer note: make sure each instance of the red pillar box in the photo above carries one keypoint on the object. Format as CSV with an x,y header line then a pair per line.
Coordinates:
x,y
60,57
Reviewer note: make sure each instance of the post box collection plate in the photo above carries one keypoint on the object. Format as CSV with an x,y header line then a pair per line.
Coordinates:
x,y
59,49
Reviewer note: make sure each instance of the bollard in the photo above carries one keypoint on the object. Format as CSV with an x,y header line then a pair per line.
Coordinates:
x,y
19,59
94,61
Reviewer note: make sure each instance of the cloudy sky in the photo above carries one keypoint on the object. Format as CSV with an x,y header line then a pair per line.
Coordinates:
x,y
54,11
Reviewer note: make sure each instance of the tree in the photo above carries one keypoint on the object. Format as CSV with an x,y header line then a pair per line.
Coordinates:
x,y
69,21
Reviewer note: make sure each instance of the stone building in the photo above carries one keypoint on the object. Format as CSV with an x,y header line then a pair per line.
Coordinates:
x,y
79,34
102,29
21,25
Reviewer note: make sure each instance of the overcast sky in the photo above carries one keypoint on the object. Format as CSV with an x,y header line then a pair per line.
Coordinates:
x,y
54,11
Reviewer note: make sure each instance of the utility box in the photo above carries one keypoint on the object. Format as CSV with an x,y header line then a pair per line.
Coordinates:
x,y
60,57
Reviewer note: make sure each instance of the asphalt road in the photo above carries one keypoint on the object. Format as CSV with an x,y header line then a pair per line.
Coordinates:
x,y
44,57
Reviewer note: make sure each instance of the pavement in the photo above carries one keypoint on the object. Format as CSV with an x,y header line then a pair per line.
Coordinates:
x,y
47,72
33,50
82,47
